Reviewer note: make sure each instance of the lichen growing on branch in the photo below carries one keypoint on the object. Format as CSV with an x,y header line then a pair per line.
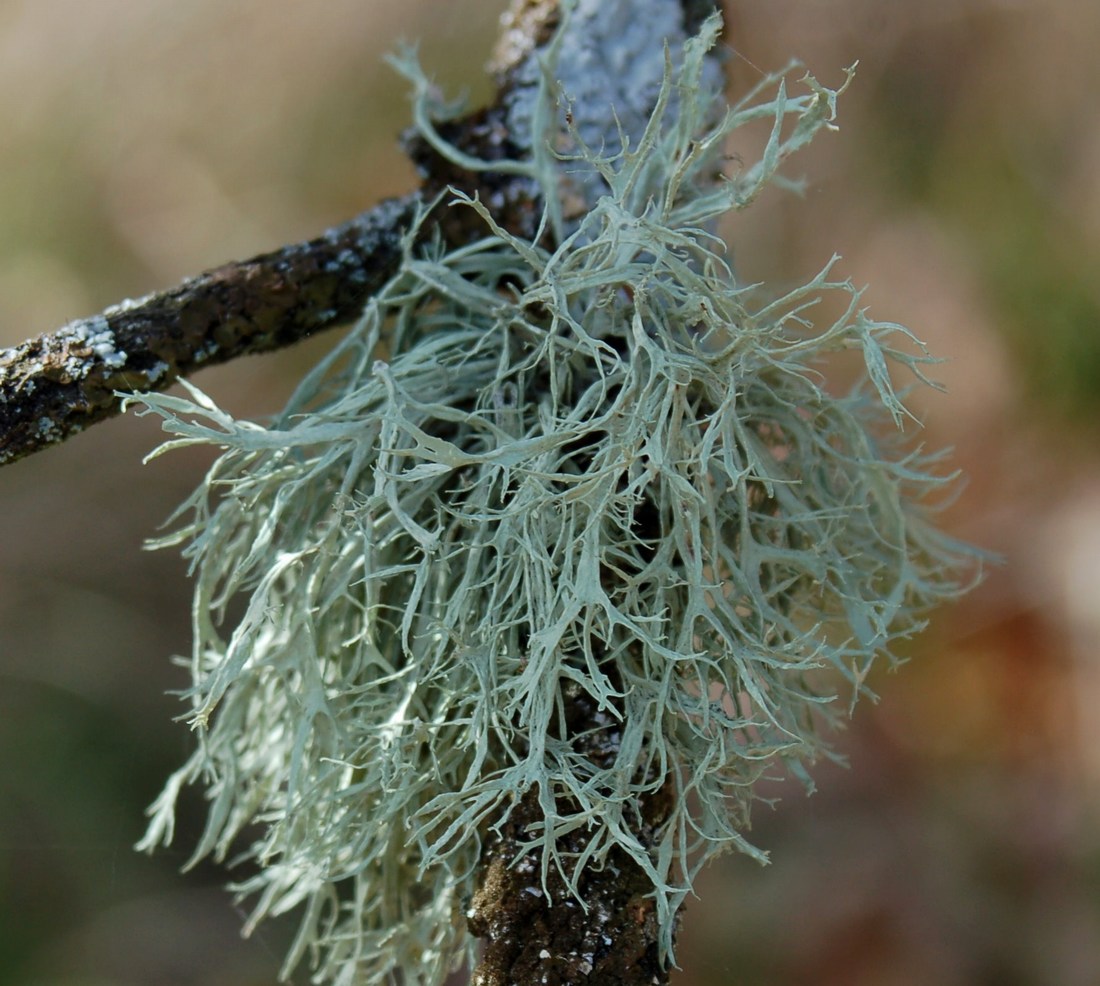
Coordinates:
x,y
598,468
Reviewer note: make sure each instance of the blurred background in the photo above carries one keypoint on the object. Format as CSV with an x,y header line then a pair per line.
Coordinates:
x,y
141,143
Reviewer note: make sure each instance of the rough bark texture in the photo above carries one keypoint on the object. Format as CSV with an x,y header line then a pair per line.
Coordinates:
x,y
57,384
532,937
540,932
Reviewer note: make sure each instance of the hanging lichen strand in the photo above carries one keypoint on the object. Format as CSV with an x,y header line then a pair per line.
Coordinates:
x,y
604,469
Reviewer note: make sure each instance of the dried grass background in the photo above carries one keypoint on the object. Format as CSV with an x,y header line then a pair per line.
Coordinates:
x,y
142,143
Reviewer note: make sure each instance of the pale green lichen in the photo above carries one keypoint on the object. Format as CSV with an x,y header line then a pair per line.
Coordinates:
x,y
602,468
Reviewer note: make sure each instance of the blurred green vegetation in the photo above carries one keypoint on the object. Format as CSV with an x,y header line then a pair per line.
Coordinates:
x,y
997,187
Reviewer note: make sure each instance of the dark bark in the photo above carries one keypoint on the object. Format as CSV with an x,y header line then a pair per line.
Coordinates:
x,y
541,932
608,936
57,384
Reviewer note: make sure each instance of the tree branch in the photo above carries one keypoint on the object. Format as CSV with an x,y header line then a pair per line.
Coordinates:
x,y
540,932
55,385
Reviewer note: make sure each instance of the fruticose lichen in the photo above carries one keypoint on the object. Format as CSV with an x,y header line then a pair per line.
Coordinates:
x,y
601,466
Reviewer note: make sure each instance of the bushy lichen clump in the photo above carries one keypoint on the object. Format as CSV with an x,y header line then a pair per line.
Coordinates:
x,y
604,468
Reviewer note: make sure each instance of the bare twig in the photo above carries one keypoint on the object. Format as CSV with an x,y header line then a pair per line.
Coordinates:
x,y
57,384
